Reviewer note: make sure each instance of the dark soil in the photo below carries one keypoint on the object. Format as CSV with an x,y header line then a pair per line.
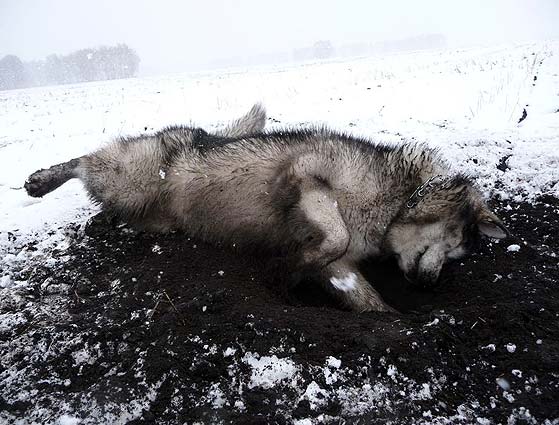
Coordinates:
x,y
152,307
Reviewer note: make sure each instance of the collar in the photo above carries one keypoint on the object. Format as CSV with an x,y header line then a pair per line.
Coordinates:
x,y
422,189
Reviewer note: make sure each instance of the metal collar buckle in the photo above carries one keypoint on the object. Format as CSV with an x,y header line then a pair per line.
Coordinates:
x,y
421,190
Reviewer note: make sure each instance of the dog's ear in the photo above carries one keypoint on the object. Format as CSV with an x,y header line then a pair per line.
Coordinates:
x,y
489,224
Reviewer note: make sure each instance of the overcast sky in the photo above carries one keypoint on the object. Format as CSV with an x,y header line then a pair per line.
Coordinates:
x,y
174,35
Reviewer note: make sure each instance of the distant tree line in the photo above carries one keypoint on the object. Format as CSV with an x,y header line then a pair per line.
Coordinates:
x,y
102,63
324,49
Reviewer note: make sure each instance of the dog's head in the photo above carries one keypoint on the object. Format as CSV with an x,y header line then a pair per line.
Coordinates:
x,y
440,222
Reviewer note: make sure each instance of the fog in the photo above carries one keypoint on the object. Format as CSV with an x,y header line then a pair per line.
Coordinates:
x,y
176,36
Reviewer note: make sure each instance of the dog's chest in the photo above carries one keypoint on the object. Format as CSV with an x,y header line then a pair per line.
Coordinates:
x,y
366,222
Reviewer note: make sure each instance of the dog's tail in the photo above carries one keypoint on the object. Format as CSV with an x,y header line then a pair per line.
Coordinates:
x,y
250,123
42,181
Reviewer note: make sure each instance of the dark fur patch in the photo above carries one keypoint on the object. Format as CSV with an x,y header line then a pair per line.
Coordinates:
x,y
205,142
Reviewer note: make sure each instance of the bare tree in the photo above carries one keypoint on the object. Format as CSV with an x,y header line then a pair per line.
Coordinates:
x,y
12,73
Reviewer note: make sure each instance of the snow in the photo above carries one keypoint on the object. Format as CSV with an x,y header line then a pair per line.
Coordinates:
x,y
9,321
316,396
503,383
333,362
229,351
511,348
269,371
434,322
216,396
68,420
467,103
392,371
490,347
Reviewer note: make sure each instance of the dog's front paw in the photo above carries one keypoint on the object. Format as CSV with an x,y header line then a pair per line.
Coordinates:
x,y
376,304
364,298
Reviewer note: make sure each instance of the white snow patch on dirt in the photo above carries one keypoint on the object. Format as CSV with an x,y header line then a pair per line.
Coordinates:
x,y
269,371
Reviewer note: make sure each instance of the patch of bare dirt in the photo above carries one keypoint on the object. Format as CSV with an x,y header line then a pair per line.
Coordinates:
x,y
168,318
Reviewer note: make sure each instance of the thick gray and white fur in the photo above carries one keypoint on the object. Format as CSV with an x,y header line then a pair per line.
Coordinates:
x,y
325,199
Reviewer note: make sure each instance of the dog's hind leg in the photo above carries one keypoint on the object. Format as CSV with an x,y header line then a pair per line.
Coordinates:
x,y
126,177
45,181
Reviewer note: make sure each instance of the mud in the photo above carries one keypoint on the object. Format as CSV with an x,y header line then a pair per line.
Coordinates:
x,y
160,312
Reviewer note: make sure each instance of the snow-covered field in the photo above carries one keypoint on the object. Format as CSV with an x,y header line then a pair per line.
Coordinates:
x,y
468,103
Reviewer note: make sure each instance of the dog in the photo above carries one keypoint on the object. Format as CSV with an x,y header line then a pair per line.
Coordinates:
x,y
326,199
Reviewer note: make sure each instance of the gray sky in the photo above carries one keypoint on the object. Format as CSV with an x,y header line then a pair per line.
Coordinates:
x,y
172,35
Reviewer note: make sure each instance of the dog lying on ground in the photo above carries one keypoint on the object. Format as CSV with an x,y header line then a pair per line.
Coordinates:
x,y
327,199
